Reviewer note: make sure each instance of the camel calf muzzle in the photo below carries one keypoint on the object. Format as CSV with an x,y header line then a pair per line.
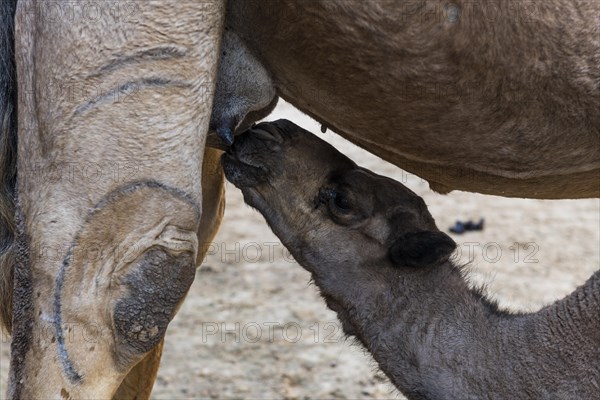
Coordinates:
x,y
382,265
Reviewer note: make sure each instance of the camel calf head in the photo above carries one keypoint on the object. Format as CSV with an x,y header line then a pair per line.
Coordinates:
x,y
382,265
326,209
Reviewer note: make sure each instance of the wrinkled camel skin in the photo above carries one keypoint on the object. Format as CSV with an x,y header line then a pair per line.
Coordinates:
x,y
380,262
104,259
139,381
499,98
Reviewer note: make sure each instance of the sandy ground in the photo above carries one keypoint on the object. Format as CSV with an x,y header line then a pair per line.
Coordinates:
x,y
252,326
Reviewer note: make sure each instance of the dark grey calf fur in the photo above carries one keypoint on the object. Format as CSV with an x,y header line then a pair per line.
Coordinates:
x,y
380,262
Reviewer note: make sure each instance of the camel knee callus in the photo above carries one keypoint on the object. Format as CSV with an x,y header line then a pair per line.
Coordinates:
x,y
145,276
156,286
382,265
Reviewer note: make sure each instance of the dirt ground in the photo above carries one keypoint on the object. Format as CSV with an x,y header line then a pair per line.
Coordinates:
x,y
253,327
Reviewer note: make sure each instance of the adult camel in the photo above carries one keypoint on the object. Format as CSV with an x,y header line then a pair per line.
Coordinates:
x,y
118,98
495,97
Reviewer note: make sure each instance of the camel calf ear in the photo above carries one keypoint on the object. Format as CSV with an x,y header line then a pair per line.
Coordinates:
x,y
422,249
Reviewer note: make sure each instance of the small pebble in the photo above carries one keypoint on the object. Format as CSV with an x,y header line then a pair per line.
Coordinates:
x,y
462,227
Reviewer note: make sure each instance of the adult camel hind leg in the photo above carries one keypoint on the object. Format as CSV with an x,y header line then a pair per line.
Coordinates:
x,y
113,113
139,381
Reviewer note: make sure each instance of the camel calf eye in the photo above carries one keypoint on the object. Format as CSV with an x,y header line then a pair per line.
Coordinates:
x,y
336,202
341,202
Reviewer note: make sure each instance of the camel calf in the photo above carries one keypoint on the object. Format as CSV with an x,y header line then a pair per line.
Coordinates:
x,y
381,263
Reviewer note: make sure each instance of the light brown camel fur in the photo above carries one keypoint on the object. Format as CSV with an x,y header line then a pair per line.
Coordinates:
x,y
114,190
499,97
381,264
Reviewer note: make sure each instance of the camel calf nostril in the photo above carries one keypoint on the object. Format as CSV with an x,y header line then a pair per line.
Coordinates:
x,y
265,132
